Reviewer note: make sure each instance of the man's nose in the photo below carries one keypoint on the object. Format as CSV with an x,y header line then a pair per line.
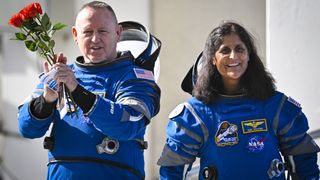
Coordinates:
x,y
95,37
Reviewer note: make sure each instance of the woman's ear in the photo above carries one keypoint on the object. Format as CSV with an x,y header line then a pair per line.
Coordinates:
x,y
214,61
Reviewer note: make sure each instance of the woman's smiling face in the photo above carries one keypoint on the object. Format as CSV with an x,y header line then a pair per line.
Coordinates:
x,y
231,59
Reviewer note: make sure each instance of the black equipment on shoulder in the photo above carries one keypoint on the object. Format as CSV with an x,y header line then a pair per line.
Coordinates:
x,y
190,79
142,44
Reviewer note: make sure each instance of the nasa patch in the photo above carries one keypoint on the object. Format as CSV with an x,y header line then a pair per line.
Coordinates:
x,y
256,144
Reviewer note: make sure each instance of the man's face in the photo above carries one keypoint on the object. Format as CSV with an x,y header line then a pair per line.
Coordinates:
x,y
96,32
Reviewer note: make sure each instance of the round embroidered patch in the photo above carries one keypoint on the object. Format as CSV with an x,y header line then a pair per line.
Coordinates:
x,y
256,144
227,134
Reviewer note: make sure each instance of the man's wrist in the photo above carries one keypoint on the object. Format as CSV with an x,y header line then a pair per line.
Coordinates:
x,y
40,108
83,98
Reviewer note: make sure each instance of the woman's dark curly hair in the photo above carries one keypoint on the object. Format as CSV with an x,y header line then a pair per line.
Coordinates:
x,y
256,81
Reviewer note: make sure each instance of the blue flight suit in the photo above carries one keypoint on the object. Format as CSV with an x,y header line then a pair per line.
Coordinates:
x,y
127,98
239,138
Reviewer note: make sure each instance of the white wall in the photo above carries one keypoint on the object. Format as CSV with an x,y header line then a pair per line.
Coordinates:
x,y
19,71
293,28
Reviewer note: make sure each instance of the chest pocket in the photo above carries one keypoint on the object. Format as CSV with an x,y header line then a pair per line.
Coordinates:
x,y
236,111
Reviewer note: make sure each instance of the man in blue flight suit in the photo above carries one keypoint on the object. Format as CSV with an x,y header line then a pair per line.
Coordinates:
x,y
115,101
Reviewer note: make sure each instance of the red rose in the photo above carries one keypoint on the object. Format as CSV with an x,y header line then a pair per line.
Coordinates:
x,y
16,20
31,11
38,8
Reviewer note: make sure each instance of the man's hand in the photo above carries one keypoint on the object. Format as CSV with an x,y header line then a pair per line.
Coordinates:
x,y
64,73
49,94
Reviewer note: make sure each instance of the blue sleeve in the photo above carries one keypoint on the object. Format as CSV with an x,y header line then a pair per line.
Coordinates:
x,y
29,125
292,129
294,140
306,166
185,138
137,101
171,172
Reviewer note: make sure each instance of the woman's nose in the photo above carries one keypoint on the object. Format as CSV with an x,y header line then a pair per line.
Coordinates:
x,y
233,54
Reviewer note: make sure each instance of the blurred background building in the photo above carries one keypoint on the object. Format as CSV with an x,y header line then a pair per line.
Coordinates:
x,y
287,33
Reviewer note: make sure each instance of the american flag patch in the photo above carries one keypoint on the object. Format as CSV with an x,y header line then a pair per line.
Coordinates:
x,y
290,99
144,74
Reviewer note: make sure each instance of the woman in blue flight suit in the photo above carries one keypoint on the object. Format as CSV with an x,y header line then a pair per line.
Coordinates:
x,y
236,122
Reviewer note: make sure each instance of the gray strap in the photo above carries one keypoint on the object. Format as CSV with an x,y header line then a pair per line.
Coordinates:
x,y
137,105
307,145
170,158
277,116
195,115
190,134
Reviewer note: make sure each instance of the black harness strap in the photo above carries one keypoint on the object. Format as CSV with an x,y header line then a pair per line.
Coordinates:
x,y
95,160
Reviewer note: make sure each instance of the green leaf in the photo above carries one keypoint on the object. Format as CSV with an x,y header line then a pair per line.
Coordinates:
x,y
59,26
38,28
32,46
51,44
43,46
21,36
48,26
45,37
45,20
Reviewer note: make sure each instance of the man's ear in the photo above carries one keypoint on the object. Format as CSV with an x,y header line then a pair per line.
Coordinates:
x,y
119,31
74,34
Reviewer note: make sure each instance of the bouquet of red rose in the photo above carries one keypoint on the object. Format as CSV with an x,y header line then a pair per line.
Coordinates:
x,y
36,31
